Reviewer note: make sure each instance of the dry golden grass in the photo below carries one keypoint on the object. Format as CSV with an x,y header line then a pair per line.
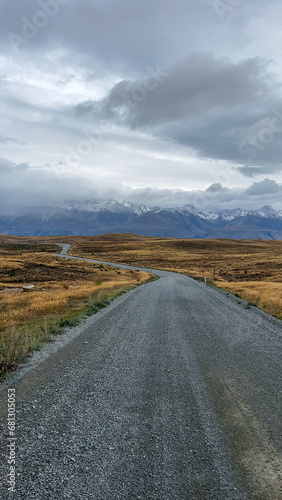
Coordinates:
x,y
63,290
251,269
264,294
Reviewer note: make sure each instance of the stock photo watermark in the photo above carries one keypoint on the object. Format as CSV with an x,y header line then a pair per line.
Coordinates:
x,y
224,8
259,136
11,445
131,99
48,9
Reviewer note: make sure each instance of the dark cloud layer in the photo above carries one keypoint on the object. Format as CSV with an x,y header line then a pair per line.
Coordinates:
x,y
151,94
205,103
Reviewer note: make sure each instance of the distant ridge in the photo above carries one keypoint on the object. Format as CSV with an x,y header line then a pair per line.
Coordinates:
x,y
93,217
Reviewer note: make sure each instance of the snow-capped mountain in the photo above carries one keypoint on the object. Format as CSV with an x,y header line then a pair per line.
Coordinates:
x,y
228,215
112,206
93,217
190,209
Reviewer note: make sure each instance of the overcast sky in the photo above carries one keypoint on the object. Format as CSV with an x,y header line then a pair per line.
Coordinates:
x,y
164,102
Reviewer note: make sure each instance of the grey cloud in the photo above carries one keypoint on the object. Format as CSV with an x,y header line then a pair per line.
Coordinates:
x,y
66,79
101,30
207,107
193,85
267,186
30,186
5,165
267,169
11,140
215,188
23,184
130,33
210,199
202,102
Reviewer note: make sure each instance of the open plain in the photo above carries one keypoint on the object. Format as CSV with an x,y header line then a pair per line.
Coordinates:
x,y
171,392
61,292
248,268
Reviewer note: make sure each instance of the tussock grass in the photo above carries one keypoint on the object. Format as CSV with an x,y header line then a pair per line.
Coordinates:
x,y
265,295
17,341
25,307
65,291
250,269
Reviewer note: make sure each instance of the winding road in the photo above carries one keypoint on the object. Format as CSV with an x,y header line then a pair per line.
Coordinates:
x,y
172,392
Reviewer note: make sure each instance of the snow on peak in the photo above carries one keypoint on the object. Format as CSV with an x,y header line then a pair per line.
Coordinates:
x,y
111,205
132,209
190,209
269,212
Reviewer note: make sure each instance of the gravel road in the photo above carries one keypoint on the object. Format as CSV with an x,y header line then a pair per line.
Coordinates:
x,y
172,392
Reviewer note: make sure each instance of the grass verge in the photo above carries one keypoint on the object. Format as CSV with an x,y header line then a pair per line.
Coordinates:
x,y
62,293
261,294
18,342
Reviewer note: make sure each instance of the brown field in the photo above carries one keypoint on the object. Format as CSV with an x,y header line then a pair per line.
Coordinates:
x,y
63,291
250,269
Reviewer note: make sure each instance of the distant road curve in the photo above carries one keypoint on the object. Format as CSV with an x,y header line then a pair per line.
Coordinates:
x,y
65,248
172,392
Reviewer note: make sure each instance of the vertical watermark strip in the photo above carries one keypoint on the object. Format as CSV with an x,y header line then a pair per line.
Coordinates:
x,y
11,445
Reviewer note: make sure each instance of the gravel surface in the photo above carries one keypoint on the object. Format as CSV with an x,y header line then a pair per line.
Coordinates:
x,y
172,392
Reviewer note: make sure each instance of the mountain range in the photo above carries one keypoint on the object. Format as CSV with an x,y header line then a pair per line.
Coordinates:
x,y
93,217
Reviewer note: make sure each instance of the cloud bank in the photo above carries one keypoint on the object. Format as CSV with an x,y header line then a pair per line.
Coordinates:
x,y
41,187
181,102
